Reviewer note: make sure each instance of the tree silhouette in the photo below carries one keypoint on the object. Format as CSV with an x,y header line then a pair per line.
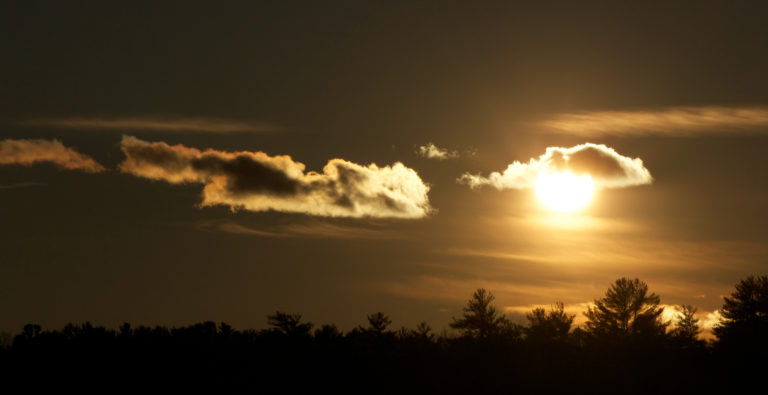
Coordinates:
x,y
125,330
626,310
6,339
423,331
687,326
549,326
327,333
31,330
480,318
289,324
225,330
745,315
378,323
486,360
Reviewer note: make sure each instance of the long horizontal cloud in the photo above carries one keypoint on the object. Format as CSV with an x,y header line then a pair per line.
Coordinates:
x,y
675,121
256,181
302,230
29,152
159,124
607,168
20,185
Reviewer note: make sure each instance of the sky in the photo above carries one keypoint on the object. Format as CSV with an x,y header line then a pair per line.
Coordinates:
x,y
168,163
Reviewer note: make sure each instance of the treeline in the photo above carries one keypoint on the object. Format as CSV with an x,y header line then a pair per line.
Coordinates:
x,y
624,347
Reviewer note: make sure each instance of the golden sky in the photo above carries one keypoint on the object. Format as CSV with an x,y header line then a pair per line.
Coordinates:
x,y
169,166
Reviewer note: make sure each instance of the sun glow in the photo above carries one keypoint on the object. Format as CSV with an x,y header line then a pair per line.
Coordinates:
x,y
564,191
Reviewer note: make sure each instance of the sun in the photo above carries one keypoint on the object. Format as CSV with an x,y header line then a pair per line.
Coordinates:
x,y
564,191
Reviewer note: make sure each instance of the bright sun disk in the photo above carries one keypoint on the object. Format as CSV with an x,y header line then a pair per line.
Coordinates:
x,y
564,191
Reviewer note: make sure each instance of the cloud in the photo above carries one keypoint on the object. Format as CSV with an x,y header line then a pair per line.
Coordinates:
x,y
307,230
607,168
21,185
158,124
431,151
710,319
29,152
675,121
256,181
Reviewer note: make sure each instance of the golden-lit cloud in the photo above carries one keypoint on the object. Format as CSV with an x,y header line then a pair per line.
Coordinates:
x,y
256,181
709,319
27,152
157,124
675,121
606,167
431,151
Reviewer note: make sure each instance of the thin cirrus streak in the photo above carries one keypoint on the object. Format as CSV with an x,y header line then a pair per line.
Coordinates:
x,y
308,230
27,152
255,181
158,124
674,121
21,185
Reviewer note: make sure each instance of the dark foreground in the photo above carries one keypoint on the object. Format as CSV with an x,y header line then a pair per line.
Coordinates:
x,y
624,348
210,358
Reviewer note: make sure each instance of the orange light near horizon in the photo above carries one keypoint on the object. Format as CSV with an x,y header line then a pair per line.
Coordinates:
x,y
564,191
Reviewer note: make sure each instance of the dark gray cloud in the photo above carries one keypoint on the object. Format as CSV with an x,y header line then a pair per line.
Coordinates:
x,y
256,181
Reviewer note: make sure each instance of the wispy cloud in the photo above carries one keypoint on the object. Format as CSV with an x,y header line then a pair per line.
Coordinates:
x,y
608,168
674,121
431,151
256,181
303,230
20,185
29,152
157,124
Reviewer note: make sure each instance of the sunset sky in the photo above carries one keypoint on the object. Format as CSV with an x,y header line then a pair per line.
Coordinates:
x,y
174,163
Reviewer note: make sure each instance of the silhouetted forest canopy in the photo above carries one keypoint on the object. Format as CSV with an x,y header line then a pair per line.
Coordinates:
x,y
624,347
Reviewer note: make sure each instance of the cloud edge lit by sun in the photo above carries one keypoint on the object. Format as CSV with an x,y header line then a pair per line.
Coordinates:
x,y
606,167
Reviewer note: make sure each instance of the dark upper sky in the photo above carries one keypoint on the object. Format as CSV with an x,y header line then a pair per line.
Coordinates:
x,y
680,85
